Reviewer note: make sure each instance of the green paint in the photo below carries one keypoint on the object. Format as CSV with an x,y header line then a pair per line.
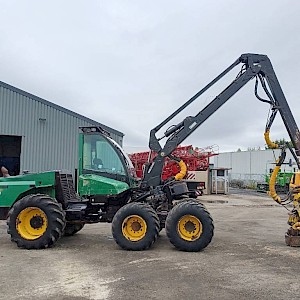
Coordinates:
x,y
282,179
98,185
15,187
80,153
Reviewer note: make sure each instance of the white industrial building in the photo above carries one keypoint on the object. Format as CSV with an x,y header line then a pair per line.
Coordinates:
x,y
37,135
252,165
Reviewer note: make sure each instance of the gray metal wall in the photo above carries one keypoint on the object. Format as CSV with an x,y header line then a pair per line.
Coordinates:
x,y
252,165
49,132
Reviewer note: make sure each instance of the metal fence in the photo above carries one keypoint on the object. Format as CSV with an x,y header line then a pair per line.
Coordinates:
x,y
241,180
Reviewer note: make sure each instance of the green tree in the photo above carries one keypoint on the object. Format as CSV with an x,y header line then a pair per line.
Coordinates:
x,y
281,142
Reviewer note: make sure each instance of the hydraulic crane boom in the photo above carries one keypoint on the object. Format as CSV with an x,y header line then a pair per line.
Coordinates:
x,y
254,66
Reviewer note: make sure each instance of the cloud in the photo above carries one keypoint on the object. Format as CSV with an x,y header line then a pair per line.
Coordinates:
x,y
129,64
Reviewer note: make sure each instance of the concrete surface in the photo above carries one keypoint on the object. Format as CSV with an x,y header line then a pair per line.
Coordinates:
x,y
247,259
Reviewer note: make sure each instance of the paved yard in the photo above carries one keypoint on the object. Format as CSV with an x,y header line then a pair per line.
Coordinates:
x,y
247,259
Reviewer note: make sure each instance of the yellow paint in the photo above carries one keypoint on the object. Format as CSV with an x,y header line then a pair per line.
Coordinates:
x,y
294,186
295,180
189,228
272,183
270,144
134,228
293,219
183,170
31,223
296,226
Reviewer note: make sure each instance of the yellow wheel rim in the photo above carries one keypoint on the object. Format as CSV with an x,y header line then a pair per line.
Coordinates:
x,y
134,228
31,223
189,228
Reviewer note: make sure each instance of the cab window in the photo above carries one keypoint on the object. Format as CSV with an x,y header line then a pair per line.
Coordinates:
x,y
100,155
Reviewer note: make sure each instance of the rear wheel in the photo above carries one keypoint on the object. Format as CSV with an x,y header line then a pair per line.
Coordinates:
x,y
72,228
36,222
189,226
135,226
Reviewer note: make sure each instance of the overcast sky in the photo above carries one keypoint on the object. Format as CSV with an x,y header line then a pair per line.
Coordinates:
x,y
129,64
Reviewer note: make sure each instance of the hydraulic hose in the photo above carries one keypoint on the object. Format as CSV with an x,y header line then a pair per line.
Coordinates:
x,y
183,170
273,177
270,144
272,183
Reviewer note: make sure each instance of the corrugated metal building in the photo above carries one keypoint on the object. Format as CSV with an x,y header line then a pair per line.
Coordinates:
x,y
38,135
252,165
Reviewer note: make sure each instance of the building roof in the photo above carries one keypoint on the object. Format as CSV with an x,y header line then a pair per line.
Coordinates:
x,y
65,110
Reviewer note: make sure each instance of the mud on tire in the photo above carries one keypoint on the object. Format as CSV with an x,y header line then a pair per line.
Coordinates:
x,y
135,226
36,222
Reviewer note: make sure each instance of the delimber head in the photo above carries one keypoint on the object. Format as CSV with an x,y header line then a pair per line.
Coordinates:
x,y
292,237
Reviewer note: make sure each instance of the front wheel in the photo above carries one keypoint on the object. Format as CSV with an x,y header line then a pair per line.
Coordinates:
x,y
189,226
135,226
36,222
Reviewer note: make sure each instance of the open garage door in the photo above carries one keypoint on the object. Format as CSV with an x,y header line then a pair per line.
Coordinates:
x,y
10,151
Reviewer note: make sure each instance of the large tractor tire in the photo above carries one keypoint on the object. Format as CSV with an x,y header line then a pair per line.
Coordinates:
x,y
135,226
36,222
189,226
72,228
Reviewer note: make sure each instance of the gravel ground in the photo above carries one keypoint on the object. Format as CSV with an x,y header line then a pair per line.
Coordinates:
x,y
247,259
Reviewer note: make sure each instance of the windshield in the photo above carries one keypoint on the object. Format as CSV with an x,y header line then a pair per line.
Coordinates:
x,y
126,157
100,155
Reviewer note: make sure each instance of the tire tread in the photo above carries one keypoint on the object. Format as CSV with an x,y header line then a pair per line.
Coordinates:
x,y
200,211
55,216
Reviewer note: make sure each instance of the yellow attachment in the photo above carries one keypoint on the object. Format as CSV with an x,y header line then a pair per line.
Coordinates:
x,y
296,202
31,223
296,197
293,219
189,228
295,180
183,170
134,228
296,226
295,188
272,183
270,144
